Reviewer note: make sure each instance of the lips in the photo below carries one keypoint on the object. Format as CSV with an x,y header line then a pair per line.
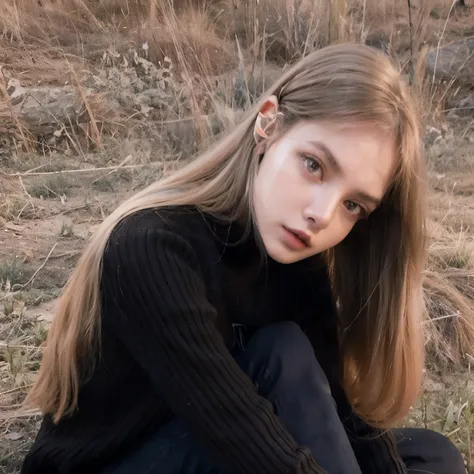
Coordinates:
x,y
303,236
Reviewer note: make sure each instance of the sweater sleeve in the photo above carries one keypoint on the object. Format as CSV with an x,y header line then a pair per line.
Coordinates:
x,y
162,316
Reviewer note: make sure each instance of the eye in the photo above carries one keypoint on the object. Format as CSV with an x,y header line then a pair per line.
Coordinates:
x,y
311,164
355,209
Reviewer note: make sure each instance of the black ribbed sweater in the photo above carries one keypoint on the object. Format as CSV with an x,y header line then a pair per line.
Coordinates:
x,y
173,282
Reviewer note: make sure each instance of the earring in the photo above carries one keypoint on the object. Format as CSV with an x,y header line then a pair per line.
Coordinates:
x,y
259,132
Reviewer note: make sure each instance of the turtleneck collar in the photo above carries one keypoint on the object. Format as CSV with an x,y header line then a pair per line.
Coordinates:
x,y
236,238
241,241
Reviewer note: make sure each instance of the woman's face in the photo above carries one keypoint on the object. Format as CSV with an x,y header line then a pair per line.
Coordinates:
x,y
315,182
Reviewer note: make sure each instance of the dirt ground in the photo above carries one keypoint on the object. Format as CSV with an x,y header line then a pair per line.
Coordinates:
x,y
56,193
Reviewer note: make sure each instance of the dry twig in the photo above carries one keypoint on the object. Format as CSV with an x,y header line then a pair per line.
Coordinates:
x,y
84,170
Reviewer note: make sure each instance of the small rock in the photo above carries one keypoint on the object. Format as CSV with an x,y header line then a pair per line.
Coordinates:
x,y
13,436
453,61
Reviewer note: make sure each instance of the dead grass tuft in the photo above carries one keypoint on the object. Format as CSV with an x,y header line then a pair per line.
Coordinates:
x,y
449,293
12,272
9,185
24,21
53,186
451,249
282,30
13,208
193,49
13,200
450,328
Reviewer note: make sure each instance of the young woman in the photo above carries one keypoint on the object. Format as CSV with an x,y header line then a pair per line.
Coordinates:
x,y
260,310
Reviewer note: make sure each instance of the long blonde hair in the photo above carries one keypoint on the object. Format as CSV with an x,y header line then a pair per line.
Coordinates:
x,y
375,272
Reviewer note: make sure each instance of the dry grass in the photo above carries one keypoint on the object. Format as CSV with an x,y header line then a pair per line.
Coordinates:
x,y
196,47
184,55
13,200
449,296
71,35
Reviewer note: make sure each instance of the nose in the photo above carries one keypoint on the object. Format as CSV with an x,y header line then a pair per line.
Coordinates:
x,y
320,212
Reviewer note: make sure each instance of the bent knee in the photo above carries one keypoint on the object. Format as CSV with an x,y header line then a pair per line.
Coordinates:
x,y
285,339
290,354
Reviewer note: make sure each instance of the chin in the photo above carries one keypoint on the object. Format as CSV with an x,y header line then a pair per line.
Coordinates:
x,y
282,255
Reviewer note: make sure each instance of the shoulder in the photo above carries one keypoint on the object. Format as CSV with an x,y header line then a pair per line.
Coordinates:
x,y
181,223
181,220
145,234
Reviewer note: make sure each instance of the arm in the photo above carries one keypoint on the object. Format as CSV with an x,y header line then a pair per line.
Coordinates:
x,y
161,314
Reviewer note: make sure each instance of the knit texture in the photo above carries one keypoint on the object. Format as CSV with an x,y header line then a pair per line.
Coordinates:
x,y
173,282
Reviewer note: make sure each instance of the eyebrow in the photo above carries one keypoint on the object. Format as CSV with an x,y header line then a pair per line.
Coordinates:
x,y
366,197
336,167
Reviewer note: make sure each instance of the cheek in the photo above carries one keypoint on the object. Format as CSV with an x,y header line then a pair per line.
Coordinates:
x,y
273,169
339,229
343,224
275,179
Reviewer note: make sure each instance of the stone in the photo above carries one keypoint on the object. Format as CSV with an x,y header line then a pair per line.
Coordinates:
x,y
454,61
44,108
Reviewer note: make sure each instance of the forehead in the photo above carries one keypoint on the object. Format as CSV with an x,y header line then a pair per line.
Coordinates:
x,y
366,153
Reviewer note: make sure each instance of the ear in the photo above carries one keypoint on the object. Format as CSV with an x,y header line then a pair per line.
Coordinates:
x,y
269,107
266,118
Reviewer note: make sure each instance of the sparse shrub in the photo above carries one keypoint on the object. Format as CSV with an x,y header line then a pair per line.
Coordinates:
x,y
67,229
8,307
104,184
451,250
51,187
108,182
41,333
435,13
12,271
27,162
460,259
456,258
34,296
146,176
15,206
286,29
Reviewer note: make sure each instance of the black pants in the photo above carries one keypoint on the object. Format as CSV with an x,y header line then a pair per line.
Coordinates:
x,y
280,360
